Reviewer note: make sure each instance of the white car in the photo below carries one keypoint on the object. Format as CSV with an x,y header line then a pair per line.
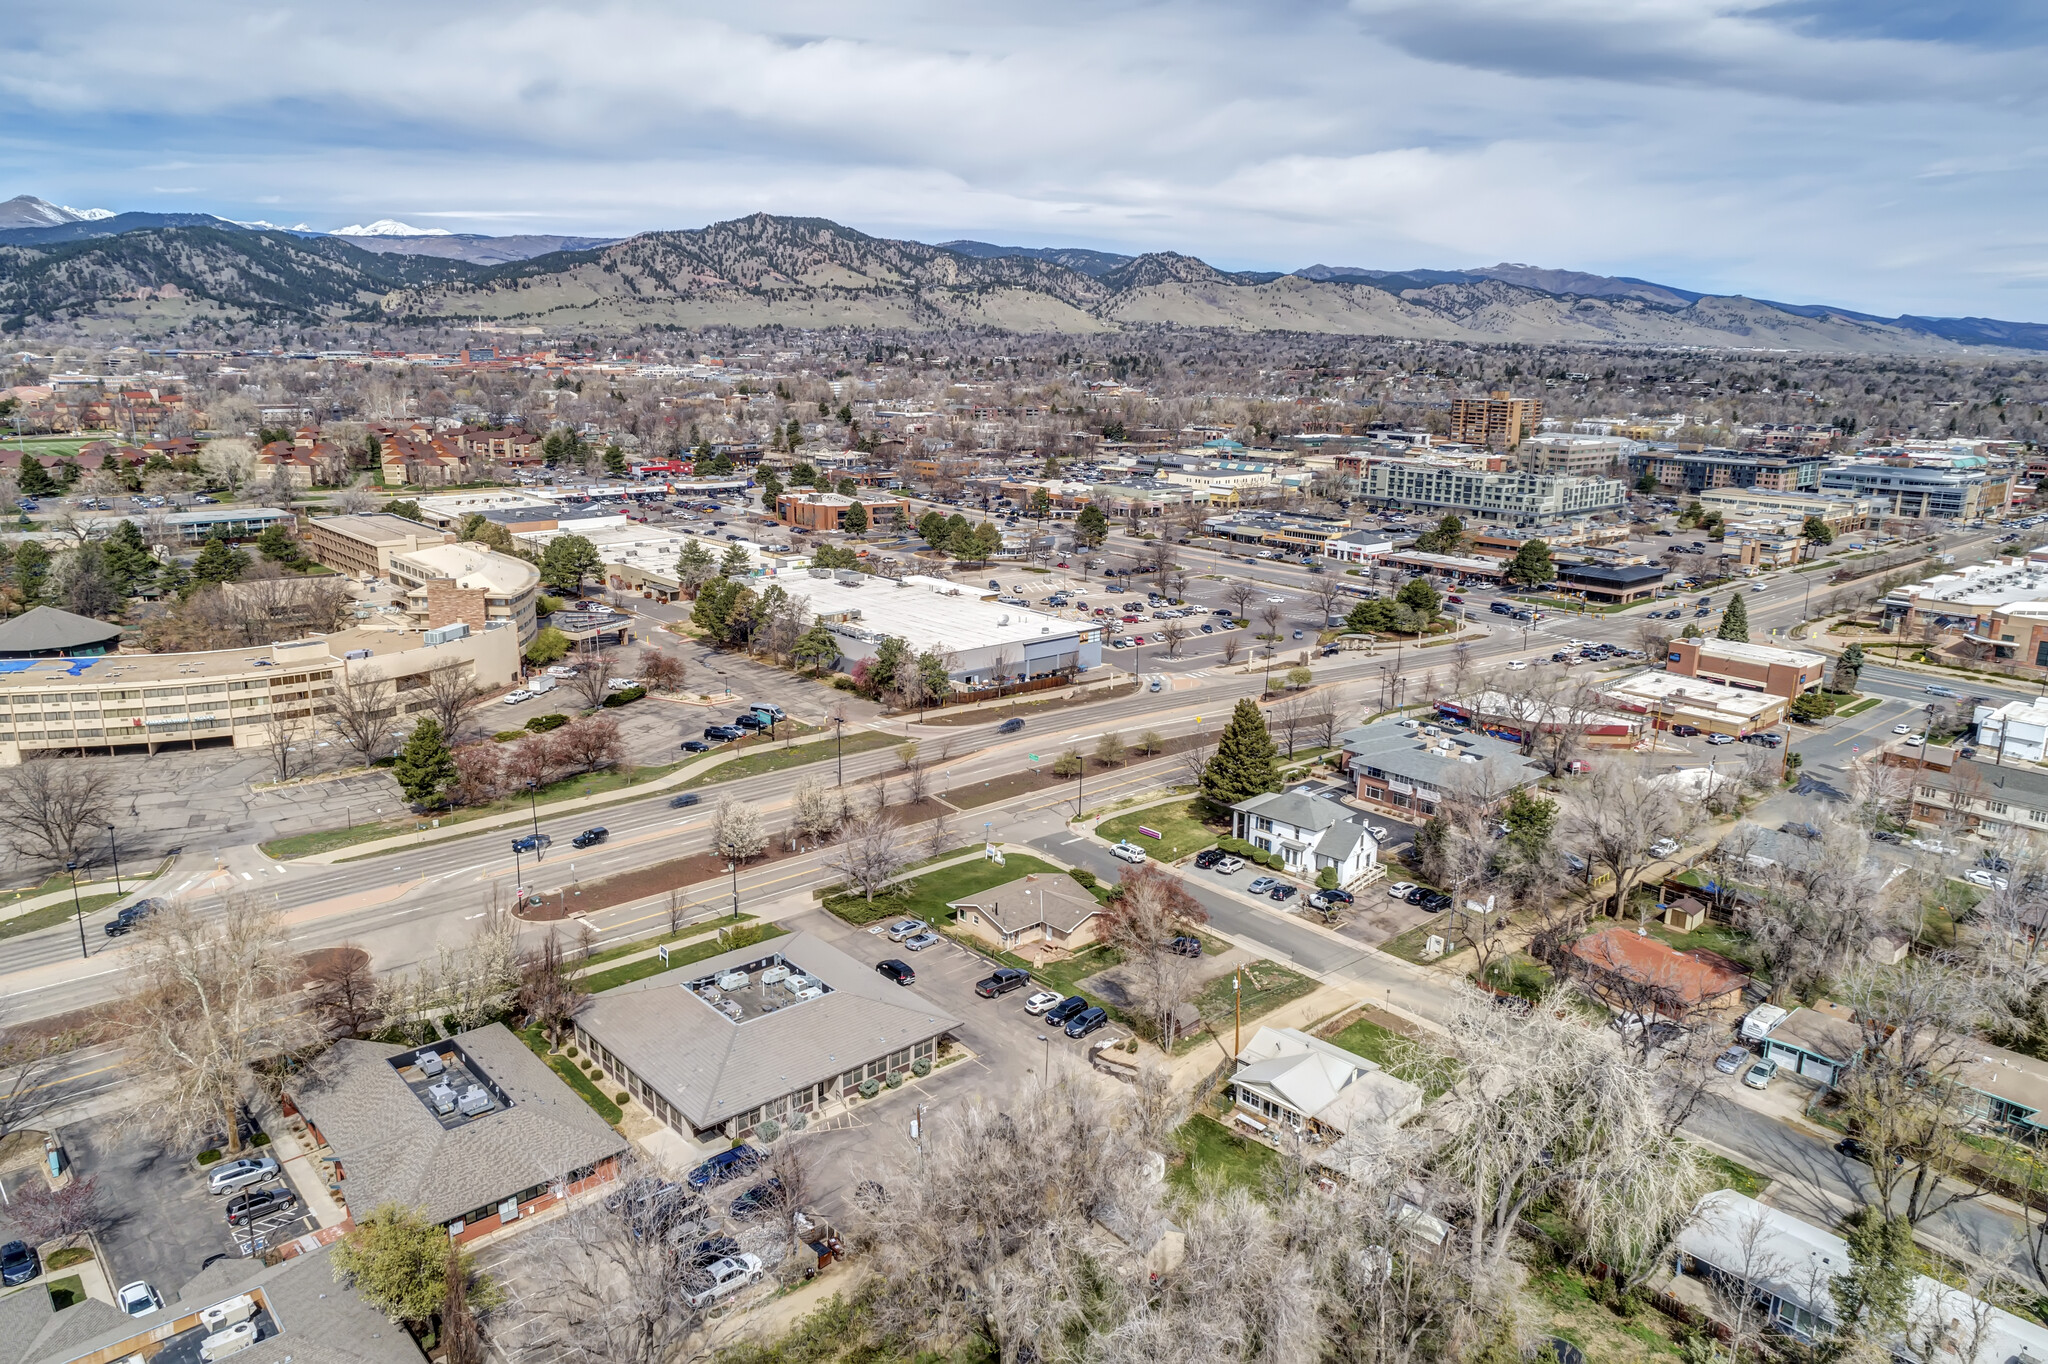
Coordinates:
x,y
1902,729
1756,587
561,672
727,1276
620,683
138,1299
1042,1001
1977,876
1915,740
1277,601
1399,890
513,698
1128,852
1516,665
1379,832
1664,847
1229,866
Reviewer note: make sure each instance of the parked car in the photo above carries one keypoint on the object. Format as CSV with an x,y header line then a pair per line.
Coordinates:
x,y
532,843
1261,884
1337,897
1010,726
757,1199
513,698
1209,857
1719,740
18,1263
1230,866
906,928
1400,889
1686,731
230,1175
1005,979
1978,877
726,1277
1731,1060
898,971
1854,1149
1760,1075
749,721
1284,892
130,915
138,1299
591,837
1041,1001
1436,902
256,1204
1417,894
1087,1021
1066,1010
723,733
1185,945
695,746
723,1166
1128,852
1664,847
918,942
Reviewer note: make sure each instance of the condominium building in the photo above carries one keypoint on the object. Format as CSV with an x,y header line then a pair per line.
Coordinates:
x,y
468,584
1582,456
1499,419
1909,490
1696,471
362,546
1518,497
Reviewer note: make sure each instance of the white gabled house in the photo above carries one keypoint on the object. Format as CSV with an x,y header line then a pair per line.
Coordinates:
x,y
1309,833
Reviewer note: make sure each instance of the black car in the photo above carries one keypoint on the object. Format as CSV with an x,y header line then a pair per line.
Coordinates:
x,y
1010,726
1209,858
684,801
1854,1149
749,721
18,1263
898,971
259,1203
1186,945
1342,897
1417,895
1066,1010
532,843
131,915
591,837
1284,893
695,746
721,733
1436,902
758,1199
723,1166
1087,1021
1006,979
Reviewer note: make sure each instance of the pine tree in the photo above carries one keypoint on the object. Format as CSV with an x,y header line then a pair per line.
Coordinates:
x,y
1849,668
1246,762
35,480
1735,621
1091,527
854,520
425,766
771,493
218,562
1531,564
693,565
735,564
615,461
129,559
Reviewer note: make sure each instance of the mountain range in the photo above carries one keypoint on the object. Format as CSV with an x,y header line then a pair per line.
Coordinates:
x,y
146,271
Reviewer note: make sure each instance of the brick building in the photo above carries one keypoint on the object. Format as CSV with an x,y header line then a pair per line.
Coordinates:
x,y
1754,667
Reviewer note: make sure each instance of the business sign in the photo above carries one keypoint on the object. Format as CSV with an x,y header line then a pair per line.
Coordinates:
x,y
1149,833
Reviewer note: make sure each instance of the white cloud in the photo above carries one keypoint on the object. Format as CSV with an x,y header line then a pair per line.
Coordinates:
x,y
1805,149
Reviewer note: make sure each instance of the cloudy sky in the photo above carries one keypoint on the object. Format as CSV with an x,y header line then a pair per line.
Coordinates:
x,y
1884,155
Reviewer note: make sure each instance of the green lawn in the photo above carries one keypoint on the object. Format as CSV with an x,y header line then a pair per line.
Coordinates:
x,y
1723,939
926,896
1375,1043
796,755
1267,985
1209,1149
1728,1174
1858,707
49,915
66,1292
627,949
573,1076
1185,826
745,935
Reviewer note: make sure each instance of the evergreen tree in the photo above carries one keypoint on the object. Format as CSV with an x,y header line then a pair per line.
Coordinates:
x,y
735,564
1041,503
218,562
1531,819
129,559
1370,617
846,487
1735,621
693,565
854,520
1817,532
1849,668
817,649
1531,564
931,671
1447,538
1872,1298
567,561
277,545
425,766
1246,762
771,493
615,460
713,610
1091,527
931,527
1420,597
890,657
834,556
1646,482
406,508
35,480
804,474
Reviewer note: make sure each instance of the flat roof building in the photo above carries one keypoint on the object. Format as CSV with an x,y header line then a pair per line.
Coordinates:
x,y
1499,419
362,546
1910,490
985,641
759,1033
1676,699
1514,497
465,583
1697,471
1613,582
1755,667
815,511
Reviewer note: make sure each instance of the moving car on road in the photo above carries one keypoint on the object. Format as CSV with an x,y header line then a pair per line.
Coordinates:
x,y
131,915
591,837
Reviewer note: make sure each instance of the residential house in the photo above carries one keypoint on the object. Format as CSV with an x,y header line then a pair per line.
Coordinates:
x,y
1055,910
1816,1043
1286,1077
475,1132
1311,834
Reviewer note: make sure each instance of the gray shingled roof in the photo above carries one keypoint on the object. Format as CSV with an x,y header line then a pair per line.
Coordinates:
x,y
710,1069
393,1150
1056,901
1501,766
317,1320
46,630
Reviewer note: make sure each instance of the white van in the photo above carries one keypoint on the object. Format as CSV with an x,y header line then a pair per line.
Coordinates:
x,y
540,686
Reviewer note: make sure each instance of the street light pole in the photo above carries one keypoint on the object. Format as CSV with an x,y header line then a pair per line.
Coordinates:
x,y
113,848
79,907
734,867
533,806
839,739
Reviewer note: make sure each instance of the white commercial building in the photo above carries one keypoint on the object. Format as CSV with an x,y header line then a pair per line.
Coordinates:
x,y
984,641
468,583
1515,498
2017,731
1710,707
642,559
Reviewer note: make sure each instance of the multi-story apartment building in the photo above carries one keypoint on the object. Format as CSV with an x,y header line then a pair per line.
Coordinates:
x,y
1515,497
1696,471
1499,419
1909,490
1757,667
1582,456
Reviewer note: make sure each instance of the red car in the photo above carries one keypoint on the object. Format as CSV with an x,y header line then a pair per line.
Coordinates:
x,y
1455,598
1137,639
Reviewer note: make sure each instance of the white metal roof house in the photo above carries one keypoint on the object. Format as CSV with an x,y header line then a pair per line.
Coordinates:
x,y
1309,833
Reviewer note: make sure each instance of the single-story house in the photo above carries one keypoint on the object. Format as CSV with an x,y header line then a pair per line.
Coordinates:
x,y
1031,908
1309,833
1817,1043
1290,1077
791,1026
474,1132
1630,970
2011,1089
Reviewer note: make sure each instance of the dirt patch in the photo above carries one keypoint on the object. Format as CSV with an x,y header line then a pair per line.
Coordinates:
x,y
1371,1015
78,1028
1022,709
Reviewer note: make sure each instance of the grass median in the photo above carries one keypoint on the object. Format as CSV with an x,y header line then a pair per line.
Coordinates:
x,y
926,896
766,760
50,915
726,940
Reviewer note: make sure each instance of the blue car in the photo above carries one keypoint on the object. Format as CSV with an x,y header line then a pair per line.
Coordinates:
x,y
18,1263
723,1166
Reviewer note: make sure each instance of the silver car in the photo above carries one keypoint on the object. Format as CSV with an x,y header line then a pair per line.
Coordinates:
x,y
906,928
240,1174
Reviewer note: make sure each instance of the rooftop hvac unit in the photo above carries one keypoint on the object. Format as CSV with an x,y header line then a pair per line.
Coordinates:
x,y
476,1099
358,653
774,974
733,980
447,634
731,1008
429,1062
442,1097
796,985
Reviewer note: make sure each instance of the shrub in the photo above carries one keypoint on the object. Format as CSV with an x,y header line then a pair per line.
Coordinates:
x,y
67,1257
208,1157
767,1129
506,736
597,1077
868,1089
260,1139
586,1063
1083,875
921,1067
541,724
1130,1044
798,1122
895,1079
572,1049
622,1098
839,680
620,698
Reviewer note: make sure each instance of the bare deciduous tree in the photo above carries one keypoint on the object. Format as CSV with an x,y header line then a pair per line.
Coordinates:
x,y
289,745
453,697
1175,633
50,809
344,990
1154,909
547,993
868,852
593,674
1230,648
1613,818
361,713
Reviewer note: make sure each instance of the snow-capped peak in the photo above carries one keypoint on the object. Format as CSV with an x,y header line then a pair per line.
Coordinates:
x,y
88,215
390,227
263,226
25,210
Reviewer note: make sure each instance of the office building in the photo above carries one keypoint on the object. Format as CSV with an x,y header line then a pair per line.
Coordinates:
x,y
1513,497
984,642
1498,420
1580,456
1757,667
468,584
1910,490
1839,513
815,511
1669,699
362,546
